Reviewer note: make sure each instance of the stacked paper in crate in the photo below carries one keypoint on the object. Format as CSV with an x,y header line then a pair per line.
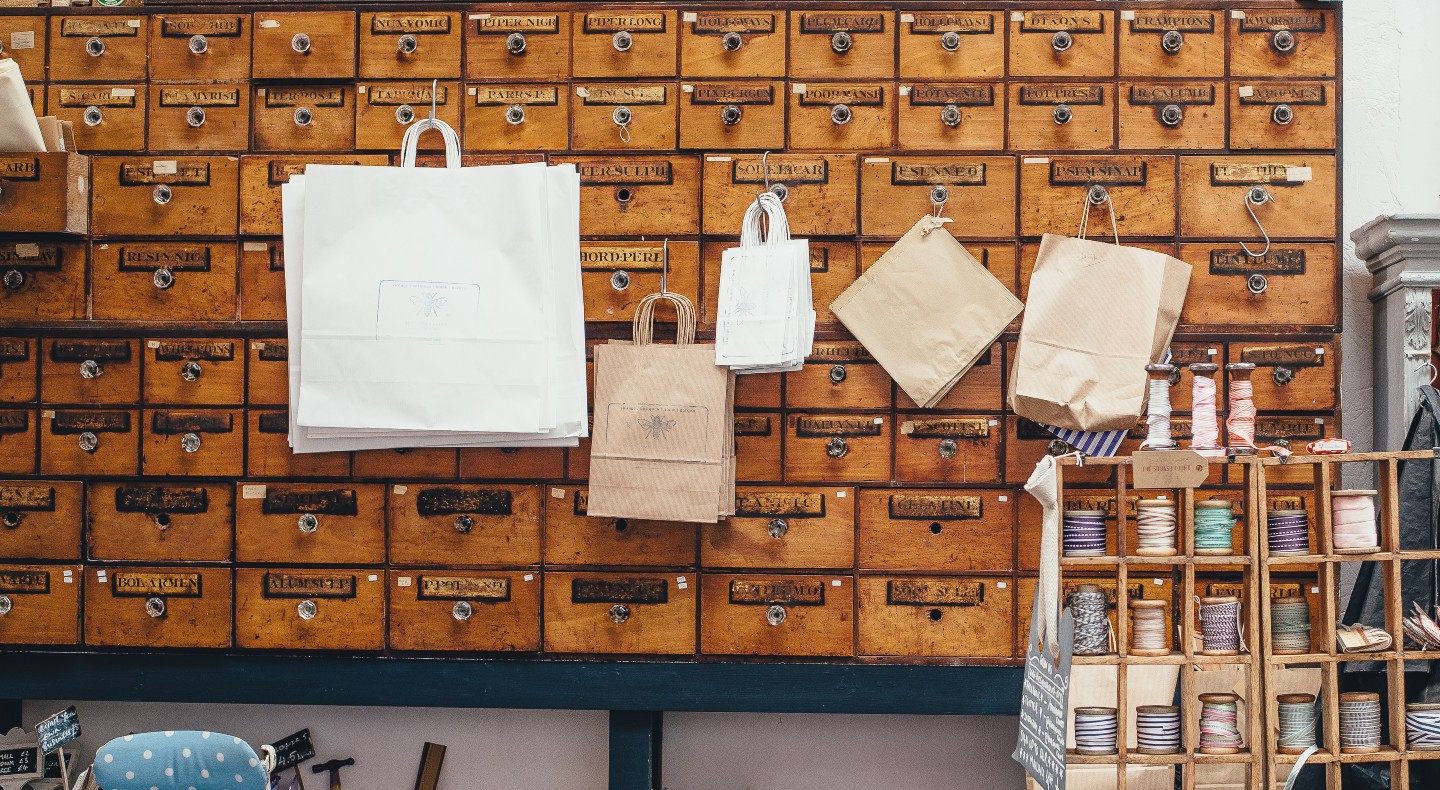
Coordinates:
x,y
765,322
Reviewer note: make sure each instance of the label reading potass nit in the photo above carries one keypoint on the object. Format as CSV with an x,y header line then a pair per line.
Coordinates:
x,y
792,592
619,591
463,588
921,174
328,502
170,585
457,501
309,585
1084,172
928,507
934,592
1275,261
777,504
960,95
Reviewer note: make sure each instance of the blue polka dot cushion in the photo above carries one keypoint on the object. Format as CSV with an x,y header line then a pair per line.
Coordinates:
x,y
179,760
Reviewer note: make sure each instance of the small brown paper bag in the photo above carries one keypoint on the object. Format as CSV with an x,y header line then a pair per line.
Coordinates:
x,y
926,311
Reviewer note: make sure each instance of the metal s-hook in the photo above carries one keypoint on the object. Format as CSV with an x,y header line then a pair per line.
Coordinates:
x,y
434,94
765,171
1434,371
1257,196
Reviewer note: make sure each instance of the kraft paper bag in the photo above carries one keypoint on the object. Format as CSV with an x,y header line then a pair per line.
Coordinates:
x,y
660,446
927,310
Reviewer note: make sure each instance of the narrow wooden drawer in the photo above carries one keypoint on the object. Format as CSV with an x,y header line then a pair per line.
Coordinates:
x,y
90,370
86,47
41,519
409,45
268,453
88,442
625,43
951,116
1054,190
304,118
758,454
17,441
732,115
978,193
952,44
1290,376
936,530
181,196
1215,193
512,463
608,613
621,116
198,371
1171,42
23,39
158,606
638,195
1062,115
464,525
476,611
199,118
164,280
199,47
19,370
1026,442
839,374
1183,115
574,538
839,447
949,449
819,191
1062,43
935,616
513,117
304,45
262,281
520,46
268,379
1284,115
423,463
293,609
160,523
41,603
104,117
834,116
42,280
310,524
384,110
618,274
203,442
784,527
1290,285
1282,42
765,615
732,43
842,44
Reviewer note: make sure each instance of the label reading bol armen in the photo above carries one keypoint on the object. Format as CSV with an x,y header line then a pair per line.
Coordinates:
x,y
418,24
1162,21
505,24
396,95
474,501
1276,261
959,95
24,581
788,170
619,590
727,93
505,95
146,257
1291,356
714,23
144,585
161,499
327,502
463,588
194,96
309,585
779,504
791,592
952,22
934,592
208,350
632,22
1084,172
852,95
208,26
968,174
837,21
631,258
931,507
621,173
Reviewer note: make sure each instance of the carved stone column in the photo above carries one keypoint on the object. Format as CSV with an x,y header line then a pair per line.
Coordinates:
x,y
1402,252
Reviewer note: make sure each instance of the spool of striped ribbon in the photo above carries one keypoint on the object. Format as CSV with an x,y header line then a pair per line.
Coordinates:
x,y
1214,527
1096,730
1090,609
1157,729
1204,421
1288,531
1220,626
1422,726
1359,722
1352,522
1148,634
1240,425
1220,724
1084,533
1290,625
1297,723
1155,525
1157,420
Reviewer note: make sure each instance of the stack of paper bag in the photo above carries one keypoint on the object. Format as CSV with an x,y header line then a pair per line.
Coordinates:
x,y
765,320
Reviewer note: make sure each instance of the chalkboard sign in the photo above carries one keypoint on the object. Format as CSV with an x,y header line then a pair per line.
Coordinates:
x,y
58,730
1040,747
18,762
293,750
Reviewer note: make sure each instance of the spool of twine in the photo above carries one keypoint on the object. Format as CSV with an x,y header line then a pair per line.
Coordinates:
x,y
1204,421
1148,634
1096,731
1214,527
1359,722
1083,533
1157,729
1220,626
1092,622
1220,724
1155,524
1157,421
1352,522
1290,625
1297,723
1422,726
1288,531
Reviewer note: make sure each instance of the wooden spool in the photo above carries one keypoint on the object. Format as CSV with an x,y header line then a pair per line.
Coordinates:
x,y
1148,604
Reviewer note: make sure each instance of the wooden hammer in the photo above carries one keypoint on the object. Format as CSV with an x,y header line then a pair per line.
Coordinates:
x,y
333,766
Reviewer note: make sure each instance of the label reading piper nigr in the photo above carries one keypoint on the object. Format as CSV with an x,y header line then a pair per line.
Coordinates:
x,y
792,592
927,507
504,24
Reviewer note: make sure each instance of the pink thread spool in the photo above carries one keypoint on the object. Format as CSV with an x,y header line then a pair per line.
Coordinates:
x,y
1204,419
1352,522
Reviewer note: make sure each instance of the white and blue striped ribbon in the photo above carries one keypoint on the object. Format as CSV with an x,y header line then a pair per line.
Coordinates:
x,y
1097,444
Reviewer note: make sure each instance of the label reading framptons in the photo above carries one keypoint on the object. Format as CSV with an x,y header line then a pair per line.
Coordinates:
x,y
1162,21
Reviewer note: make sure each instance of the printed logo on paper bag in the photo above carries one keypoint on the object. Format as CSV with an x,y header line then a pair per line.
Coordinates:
x,y
427,311
667,432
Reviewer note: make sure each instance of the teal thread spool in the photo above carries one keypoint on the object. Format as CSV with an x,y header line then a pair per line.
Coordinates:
x,y
1214,527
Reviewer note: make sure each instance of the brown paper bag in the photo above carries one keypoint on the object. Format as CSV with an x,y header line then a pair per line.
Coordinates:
x,y
662,423
926,311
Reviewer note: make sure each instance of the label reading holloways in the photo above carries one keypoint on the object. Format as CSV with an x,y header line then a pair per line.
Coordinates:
x,y
309,585
144,585
177,257
791,592
281,500
952,22
619,590
934,592
463,588
474,501
714,23
1277,260
931,507
779,504
161,499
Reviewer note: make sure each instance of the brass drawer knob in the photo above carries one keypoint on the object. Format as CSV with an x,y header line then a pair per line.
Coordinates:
x,y
307,609
837,374
462,611
191,371
950,41
155,607
93,116
199,45
841,41
840,114
622,41
950,115
515,114
515,43
1062,114
1172,41
406,45
195,116
948,448
95,47
619,613
1283,41
14,279
190,442
162,195
163,278
308,523
300,42
90,369
404,115
775,615
730,114
1172,115
837,447
1282,376
620,280
464,523
1257,283
304,116
731,41
5,605
1283,114
89,442
777,528
1062,40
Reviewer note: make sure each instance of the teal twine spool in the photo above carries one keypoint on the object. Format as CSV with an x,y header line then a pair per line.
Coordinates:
x,y
1290,625
1214,527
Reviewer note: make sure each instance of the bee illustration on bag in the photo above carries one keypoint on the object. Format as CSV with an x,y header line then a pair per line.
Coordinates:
x,y
429,304
656,427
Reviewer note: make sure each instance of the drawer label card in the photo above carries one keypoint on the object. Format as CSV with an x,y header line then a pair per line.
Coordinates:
x,y
144,585
14,349
1084,172
934,592
274,351
1068,21
161,255
853,95
929,507
98,350
192,96
968,174
466,588
181,350
819,259
328,502
496,95
717,22
776,504
837,21
1239,262
161,499
729,93
1297,356
752,425
763,592
1172,93
17,581
14,421
1282,590
96,97
630,22
950,428
1294,21
1134,590
20,168
395,95
1188,355
455,501
311,96
98,26
172,422
1290,502
74,422
629,258
1161,21
1284,93
502,24
1247,173
1062,94
1289,428
34,257
608,95
419,24
960,95
617,173
952,22
309,585
27,498
839,352
789,171
619,591
195,174
209,26
820,427
275,422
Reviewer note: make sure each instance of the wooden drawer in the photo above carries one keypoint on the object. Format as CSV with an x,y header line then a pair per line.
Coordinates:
x,y
158,606
1184,115
977,390
1159,587
304,118
268,380
262,279
199,118
840,447
42,280
951,116
764,615
838,374
44,193
268,452
195,371
181,196
638,195
618,274
304,45
1283,42
88,47
23,40
733,43
621,116
383,111
978,192
832,270
517,46
1062,43
638,42
842,44
464,525
758,440
17,442
937,616
1214,191
541,122
42,604
477,611
409,45
204,442
574,538
88,442
199,47
1053,191
732,115
19,370
104,117
824,188
1062,115
952,45
836,116
1030,251
164,280
936,530
512,463
1027,441
260,180
758,391
787,527
293,609
1182,381
1283,115
948,449
1290,376
1171,42
424,463
41,519
90,370
310,524
635,613
1292,284
160,523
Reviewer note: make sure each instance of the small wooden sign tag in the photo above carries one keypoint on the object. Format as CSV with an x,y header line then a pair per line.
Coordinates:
x,y
1169,469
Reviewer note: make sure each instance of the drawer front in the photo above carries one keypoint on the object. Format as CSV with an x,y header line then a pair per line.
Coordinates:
x,y
383,111
936,530
42,279
978,192
1289,42
88,442
949,449
268,380
160,523
1030,252
977,390
1062,115
758,442
574,538
310,524
90,370
199,118
937,616
734,115
952,44
401,45
758,391
786,527
199,47
183,196
305,45
17,442
195,371
1284,115
1062,43
164,280
765,615
1171,42
512,463
517,46
637,196
23,40
832,270
1054,190
262,280
625,43
841,116
478,611
620,116
1215,191
305,118
1184,115
738,43
268,453
518,117
464,525
260,180
292,609
41,519
635,613
19,370
840,447
43,193
1292,284
42,604
839,375
617,274
951,116
1026,442
819,191
1159,587
1290,376
104,117
158,606
208,442
842,44
92,47
425,463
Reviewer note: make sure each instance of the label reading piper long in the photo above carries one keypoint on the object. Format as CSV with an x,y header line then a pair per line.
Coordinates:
x,y
1275,261
47,257
194,174
752,425
99,27
952,22
967,174
74,422
732,93
836,21
959,95
309,585
1294,21
629,258
798,170
161,499
19,168
35,499
18,581
419,24
1062,94
619,591
173,422
618,173
631,22
1172,93
792,592
1291,356
714,23
852,95
778,504
309,96
96,97
505,95
1284,93
1245,173
195,96
463,588
455,501
934,592
396,95
1161,21
1083,172
208,26
504,24
177,257
328,502
950,428
930,507
98,350
14,349
1069,21
144,585
208,350
609,95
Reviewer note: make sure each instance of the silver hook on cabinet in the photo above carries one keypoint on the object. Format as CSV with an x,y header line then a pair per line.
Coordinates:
x,y
1257,196
664,265
765,170
434,94
1434,371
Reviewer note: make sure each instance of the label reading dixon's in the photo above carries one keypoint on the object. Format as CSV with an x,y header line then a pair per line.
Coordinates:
x,y
934,592
193,174
162,255
327,502
209,26
312,96
802,170
161,499
497,95
1172,93
98,26
633,22
419,24
1161,21
17,581
718,22
98,350
725,93
629,258
454,501
192,96
1284,93
1242,173
959,95
619,591
950,428
853,95
1083,172
969,174
819,427
1240,262
1296,356
28,498
144,585
836,21
776,504
794,592
616,173
929,507
1294,21
96,97
73,422
309,585
953,22
608,95
467,588
396,95
752,425
208,350
1062,94
1070,21
503,24
173,422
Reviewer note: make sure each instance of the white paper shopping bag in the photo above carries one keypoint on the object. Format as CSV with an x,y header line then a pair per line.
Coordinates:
x,y
765,321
